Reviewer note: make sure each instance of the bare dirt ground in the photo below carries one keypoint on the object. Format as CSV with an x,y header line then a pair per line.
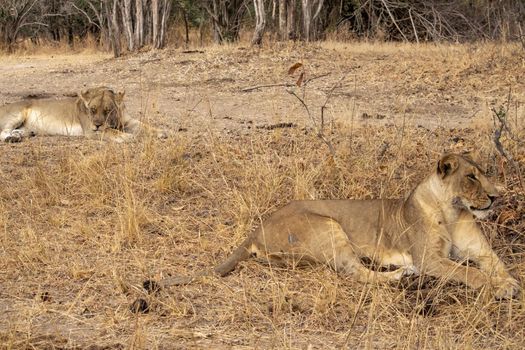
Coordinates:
x,y
430,85
83,223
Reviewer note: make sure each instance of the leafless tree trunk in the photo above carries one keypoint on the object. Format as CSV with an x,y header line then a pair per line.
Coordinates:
x,y
127,22
260,22
226,16
111,9
155,21
291,11
98,21
160,13
139,23
214,14
166,10
282,20
309,17
186,28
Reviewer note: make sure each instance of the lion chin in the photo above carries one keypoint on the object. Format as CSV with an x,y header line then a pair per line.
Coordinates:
x,y
479,213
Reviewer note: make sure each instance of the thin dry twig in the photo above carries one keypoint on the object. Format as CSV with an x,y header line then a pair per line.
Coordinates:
x,y
330,93
320,128
522,36
394,20
500,116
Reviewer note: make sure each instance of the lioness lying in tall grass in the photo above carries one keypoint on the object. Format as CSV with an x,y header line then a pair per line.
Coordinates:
x,y
418,234
94,113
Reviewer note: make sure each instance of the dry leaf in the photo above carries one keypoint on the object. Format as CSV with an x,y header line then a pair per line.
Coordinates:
x,y
300,80
294,68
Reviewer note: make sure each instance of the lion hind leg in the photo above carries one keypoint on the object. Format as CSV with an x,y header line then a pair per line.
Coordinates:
x,y
347,263
13,130
330,244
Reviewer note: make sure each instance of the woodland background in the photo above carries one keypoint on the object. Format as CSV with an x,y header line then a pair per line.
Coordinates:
x,y
131,25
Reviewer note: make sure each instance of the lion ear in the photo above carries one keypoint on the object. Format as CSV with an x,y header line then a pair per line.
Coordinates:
x,y
84,97
120,96
447,165
473,155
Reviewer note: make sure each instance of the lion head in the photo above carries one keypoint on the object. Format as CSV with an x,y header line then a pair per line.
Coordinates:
x,y
104,107
467,184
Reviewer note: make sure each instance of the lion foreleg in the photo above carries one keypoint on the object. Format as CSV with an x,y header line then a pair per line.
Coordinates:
x,y
110,135
430,254
469,243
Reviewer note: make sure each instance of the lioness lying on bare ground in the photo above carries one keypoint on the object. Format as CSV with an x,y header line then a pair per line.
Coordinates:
x,y
418,234
94,113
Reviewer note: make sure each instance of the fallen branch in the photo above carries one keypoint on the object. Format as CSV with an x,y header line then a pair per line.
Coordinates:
x,y
276,126
192,51
251,88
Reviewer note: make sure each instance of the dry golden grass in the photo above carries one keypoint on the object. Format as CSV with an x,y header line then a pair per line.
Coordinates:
x,y
82,230
84,223
88,45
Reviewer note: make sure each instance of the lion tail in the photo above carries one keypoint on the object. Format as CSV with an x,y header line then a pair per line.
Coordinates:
x,y
238,255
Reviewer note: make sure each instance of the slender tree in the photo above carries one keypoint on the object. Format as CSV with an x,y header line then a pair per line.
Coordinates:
x,y
311,11
260,22
291,7
226,16
127,22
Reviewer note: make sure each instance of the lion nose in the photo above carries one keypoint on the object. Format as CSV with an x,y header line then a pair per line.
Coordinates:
x,y
493,198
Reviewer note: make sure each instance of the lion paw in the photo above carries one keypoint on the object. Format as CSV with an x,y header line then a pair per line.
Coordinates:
x,y
123,138
404,271
507,288
14,136
410,270
162,134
